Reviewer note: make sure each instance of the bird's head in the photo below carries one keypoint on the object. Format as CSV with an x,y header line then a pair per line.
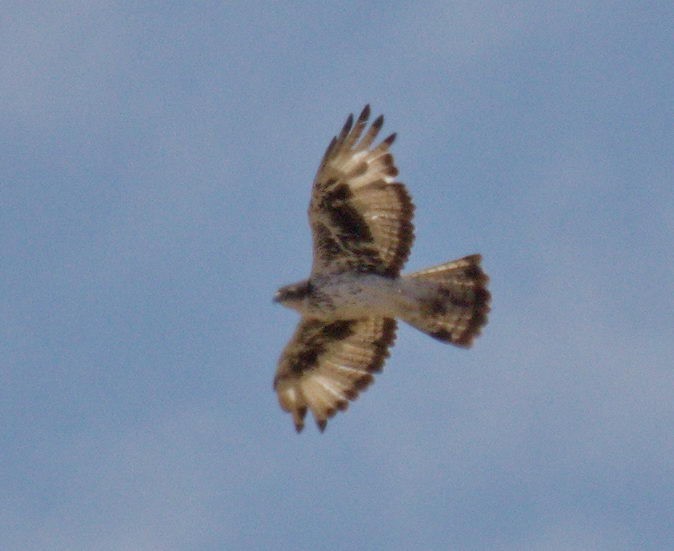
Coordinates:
x,y
294,295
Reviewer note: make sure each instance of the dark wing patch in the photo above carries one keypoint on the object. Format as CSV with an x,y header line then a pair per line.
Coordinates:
x,y
360,217
337,203
327,364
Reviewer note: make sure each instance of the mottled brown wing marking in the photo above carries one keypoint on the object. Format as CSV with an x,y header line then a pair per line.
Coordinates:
x,y
348,229
326,242
361,219
316,335
337,202
325,365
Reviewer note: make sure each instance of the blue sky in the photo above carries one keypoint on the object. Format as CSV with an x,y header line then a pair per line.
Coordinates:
x,y
155,166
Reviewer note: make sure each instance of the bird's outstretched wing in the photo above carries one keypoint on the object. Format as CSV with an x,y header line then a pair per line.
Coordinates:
x,y
326,364
361,219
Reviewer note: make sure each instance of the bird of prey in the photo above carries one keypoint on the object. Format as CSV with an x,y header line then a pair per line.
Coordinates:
x,y
361,221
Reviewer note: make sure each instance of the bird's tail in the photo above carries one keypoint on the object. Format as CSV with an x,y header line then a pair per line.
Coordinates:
x,y
454,301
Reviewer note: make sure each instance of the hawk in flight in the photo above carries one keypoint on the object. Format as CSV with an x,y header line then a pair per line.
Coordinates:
x,y
361,221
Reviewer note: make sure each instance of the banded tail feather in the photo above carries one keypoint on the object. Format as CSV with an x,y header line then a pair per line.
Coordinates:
x,y
456,307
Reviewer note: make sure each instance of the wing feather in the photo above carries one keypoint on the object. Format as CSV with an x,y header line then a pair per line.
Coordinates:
x,y
326,364
360,217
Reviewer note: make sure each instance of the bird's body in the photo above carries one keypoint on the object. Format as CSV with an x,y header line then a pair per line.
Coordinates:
x,y
361,221
350,296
